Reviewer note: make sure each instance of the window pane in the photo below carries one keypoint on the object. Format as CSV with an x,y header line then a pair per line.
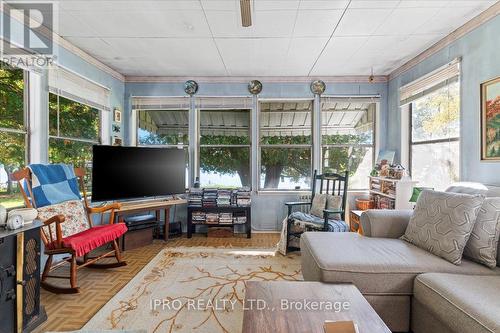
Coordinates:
x,y
285,168
75,120
79,154
163,127
435,165
225,166
11,97
347,122
12,158
358,160
285,122
225,127
437,115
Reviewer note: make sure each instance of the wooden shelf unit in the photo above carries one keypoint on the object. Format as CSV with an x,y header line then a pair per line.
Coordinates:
x,y
191,227
391,193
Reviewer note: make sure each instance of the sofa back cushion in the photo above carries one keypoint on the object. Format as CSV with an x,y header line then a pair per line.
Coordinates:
x,y
442,223
482,246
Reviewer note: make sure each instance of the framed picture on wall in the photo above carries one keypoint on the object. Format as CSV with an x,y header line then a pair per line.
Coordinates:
x,y
490,120
116,141
117,116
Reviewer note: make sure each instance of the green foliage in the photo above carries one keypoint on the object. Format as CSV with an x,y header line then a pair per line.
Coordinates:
x,y
76,120
437,115
12,145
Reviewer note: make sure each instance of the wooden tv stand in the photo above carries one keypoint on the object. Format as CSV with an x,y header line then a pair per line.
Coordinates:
x,y
133,207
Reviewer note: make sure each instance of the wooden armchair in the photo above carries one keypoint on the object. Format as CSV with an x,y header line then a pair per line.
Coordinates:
x,y
68,229
329,184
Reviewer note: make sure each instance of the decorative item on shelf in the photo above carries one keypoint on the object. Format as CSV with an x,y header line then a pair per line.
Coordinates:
x,y
384,169
28,214
396,171
3,215
490,120
364,203
387,155
255,87
318,87
191,87
117,141
117,115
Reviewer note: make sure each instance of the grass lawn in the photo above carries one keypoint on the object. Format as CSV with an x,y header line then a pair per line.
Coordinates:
x,y
11,200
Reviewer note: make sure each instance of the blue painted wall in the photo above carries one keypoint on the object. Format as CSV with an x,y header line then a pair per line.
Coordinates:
x,y
479,50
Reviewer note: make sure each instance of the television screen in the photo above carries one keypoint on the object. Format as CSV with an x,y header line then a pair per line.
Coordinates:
x,y
133,172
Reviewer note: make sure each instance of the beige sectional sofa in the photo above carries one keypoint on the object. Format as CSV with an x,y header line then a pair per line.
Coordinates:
x,y
409,288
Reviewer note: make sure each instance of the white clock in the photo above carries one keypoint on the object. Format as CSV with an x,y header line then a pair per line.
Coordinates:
x,y
15,222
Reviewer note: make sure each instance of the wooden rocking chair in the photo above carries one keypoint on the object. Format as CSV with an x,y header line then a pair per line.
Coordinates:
x,y
59,237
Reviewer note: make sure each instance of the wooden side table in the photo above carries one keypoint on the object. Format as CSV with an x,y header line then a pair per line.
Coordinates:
x,y
354,221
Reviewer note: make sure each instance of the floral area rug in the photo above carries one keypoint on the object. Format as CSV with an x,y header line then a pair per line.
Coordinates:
x,y
193,290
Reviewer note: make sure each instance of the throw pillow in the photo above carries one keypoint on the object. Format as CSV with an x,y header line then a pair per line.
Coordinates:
x,y
442,223
334,202
318,204
483,242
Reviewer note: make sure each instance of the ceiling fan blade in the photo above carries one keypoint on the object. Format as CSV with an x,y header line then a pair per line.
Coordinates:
x,y
246,14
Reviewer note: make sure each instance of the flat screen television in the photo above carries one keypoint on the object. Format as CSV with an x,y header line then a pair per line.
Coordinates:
x,y
136,172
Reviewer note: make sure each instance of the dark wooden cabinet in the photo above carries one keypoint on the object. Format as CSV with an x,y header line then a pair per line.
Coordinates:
x,y
20,309
245,210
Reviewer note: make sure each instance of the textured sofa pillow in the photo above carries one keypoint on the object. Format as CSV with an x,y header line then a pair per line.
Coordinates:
x,y
442,223
483,242
318,204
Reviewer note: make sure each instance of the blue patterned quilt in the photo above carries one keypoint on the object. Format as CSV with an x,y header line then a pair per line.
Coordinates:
x,y
333,225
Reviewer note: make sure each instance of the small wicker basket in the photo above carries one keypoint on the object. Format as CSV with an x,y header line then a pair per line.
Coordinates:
x,y
364,203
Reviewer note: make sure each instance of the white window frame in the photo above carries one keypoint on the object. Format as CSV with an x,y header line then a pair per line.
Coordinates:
x,y
298,146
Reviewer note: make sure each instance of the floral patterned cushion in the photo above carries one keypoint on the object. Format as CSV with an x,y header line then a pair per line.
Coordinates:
x,y
76,219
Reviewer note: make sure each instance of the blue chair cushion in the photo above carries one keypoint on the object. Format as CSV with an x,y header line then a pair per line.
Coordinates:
x,y
318,222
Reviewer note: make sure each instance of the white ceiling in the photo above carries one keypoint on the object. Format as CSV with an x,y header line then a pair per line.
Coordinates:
x,y
288,37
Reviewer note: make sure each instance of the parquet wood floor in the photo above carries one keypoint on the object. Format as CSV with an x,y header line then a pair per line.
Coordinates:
x,y
71,312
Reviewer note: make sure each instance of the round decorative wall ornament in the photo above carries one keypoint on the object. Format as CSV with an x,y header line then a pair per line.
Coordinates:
x,y
255,87
318,87
191,87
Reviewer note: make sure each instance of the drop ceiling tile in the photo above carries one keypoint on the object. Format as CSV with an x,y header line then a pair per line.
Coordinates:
x,y
167,56
134,6
223,5
252,56
337,53
69,24
266,24
360,4
276,5
324,22
481,4
274,56
323,4
423,3
95,46
362,22
146,23
404,21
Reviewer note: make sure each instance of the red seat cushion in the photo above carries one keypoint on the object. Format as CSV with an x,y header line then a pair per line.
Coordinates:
x,y
90,239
